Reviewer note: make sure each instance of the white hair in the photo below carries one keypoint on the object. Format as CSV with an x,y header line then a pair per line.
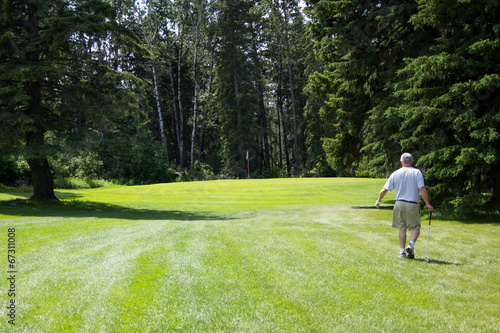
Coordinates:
x,y
406,158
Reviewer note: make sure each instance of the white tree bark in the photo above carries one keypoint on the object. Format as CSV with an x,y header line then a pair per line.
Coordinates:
x,y
160,116
195,79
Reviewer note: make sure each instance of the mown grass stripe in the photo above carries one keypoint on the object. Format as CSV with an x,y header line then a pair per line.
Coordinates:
x,y
182,257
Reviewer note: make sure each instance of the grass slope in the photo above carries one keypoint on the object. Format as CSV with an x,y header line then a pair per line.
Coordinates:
x,y
284,255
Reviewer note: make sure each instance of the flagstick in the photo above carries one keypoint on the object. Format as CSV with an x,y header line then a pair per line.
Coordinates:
x,y
248,166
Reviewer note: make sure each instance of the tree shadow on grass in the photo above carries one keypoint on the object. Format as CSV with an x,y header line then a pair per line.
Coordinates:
x,y
477,218
373,207
83,209
439,262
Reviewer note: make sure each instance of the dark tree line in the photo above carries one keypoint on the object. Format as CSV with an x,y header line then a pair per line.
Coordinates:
x,y
140,90
419,76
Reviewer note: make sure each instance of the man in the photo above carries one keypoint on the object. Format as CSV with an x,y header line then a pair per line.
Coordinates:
x,y
408,182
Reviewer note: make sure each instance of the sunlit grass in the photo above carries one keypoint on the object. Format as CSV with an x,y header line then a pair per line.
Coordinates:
x,y
286,255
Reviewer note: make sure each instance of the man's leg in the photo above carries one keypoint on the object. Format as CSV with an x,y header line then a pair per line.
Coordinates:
x,y
402,241
414,235
402,238
399,223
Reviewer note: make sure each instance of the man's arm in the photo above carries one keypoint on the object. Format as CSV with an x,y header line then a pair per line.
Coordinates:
x,y
381,195
425,196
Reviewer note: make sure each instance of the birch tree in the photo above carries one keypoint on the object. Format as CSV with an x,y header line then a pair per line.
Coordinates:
x,y
197,17
150,31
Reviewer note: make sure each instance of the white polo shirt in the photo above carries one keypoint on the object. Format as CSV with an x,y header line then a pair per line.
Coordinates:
x,y
406,181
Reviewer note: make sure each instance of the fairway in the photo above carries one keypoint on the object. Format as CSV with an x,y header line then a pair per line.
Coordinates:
x,y
276,255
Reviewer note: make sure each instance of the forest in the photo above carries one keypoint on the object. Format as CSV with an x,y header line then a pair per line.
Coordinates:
x,y
143,92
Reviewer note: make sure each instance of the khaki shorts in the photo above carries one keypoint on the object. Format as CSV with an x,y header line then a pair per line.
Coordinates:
x,y
406,215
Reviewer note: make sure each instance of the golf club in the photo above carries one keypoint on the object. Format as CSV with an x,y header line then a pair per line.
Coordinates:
x,y
428,233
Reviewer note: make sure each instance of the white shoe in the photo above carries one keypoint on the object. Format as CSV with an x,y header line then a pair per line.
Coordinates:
x,y
411,252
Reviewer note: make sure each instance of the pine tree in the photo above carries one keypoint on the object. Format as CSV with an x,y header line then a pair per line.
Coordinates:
x,y
450,101
361,45
236,95
57,70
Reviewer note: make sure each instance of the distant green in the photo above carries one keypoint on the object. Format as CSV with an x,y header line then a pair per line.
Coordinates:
x,y
279,255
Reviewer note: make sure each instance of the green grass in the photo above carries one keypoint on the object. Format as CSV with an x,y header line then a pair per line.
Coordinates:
x,y
284,255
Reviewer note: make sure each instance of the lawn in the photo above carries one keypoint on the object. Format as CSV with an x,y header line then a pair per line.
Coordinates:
x,y
280,255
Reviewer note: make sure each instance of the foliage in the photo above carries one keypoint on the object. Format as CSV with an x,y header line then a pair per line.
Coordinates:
x,y
132,90
204,171
8,171
453,94
81,183
236,95
59,73
101,88
413,76
133,155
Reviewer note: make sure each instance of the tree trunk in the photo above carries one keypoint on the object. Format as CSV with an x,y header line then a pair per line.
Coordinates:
x,y
179,100
265,130
204,111
195,80
495,186
279,107
281,114
43,183
285,139
262,107
195,105
290,77
278,130
174,104
160,117
236,86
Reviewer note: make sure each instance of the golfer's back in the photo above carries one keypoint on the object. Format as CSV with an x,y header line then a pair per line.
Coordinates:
x,y
406,181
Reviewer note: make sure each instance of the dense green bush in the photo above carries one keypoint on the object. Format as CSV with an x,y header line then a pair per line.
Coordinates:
x,y
13,170
79,164
8,171
78,183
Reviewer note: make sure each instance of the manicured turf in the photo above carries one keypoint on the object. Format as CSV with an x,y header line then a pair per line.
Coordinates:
x,y
283,255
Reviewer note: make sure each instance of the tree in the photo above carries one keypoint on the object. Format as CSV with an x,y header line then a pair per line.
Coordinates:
x,y
150,30
52,52
449,113
284,11
419,76
287,41
259,68
197,18
236,96
361,46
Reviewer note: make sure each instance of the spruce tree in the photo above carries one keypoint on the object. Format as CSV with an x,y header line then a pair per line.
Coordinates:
x,y
449,113
360,46
58,70
237,98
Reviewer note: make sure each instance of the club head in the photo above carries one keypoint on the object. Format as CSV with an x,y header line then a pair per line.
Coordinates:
x,y
427,260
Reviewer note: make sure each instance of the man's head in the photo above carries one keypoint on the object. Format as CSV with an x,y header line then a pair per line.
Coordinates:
x,y
406,159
